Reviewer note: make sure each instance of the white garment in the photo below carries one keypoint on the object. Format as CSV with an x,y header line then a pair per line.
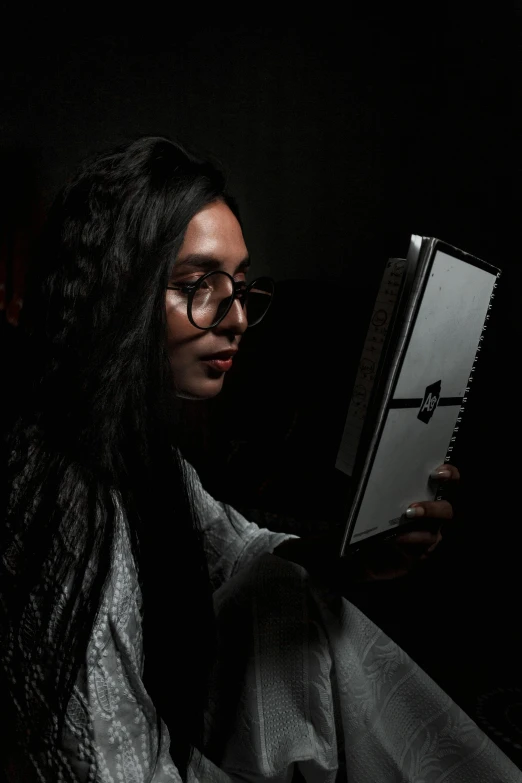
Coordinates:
x,y
321,687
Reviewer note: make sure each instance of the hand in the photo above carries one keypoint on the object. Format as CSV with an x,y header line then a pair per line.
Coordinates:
x,y
319,555
399,556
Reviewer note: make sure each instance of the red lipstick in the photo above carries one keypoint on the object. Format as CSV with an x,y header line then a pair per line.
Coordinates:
x,y
221,360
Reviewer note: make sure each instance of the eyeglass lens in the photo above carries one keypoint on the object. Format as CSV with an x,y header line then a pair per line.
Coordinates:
x,y
214,294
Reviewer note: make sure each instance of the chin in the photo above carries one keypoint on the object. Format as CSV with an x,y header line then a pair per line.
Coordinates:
x,y
204,390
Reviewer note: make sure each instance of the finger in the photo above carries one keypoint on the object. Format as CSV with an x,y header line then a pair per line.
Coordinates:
x,y
445,472
435,545
430,509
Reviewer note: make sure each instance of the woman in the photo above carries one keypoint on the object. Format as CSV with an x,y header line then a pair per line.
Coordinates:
x,y
115,562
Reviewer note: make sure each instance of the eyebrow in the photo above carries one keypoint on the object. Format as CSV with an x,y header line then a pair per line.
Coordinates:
x,y
207,263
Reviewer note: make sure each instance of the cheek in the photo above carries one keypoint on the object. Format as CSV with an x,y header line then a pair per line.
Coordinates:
x,y
192,379
182,338
179,327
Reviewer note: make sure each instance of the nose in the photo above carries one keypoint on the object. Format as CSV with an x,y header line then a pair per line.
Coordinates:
x,y
235,322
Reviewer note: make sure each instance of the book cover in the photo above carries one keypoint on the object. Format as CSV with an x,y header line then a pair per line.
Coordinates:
x,y
414,376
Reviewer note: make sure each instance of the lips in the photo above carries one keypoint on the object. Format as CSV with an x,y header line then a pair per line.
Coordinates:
x,y
221,361
220,356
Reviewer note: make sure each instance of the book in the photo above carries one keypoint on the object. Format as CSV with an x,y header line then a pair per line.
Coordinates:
x,y
413,381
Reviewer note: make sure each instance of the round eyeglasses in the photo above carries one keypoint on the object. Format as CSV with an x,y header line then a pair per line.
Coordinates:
x,y
210,298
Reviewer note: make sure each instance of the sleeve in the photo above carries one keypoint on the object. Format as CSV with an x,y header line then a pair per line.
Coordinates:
x,y
122,715
231,542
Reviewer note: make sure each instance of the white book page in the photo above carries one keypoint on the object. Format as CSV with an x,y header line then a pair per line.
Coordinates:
x,y
368,364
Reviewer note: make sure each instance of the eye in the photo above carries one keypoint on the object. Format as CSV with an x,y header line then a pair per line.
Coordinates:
x,y
186,286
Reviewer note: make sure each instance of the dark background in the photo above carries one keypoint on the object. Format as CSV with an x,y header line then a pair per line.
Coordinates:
x,y
341,140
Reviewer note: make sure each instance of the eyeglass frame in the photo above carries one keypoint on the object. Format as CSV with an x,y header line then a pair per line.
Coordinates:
x,y
239,293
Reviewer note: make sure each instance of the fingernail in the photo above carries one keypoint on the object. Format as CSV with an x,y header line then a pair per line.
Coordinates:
x,y
441,473
414,511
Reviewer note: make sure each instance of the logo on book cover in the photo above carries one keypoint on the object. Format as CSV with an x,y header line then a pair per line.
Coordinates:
x,y
430,401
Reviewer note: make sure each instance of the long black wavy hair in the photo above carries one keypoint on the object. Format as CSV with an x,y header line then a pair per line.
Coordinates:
x,y
97,411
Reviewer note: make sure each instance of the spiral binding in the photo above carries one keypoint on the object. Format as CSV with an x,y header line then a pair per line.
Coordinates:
x,y
470,380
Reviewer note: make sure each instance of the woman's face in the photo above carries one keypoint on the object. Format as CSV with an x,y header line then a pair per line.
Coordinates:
x,y
213,240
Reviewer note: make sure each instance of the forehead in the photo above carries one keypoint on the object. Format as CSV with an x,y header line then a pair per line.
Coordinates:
x,y
214,231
